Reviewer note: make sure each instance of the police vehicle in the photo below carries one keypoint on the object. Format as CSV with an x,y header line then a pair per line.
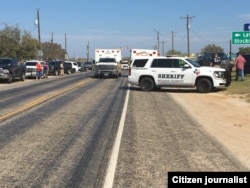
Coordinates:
x,y
155,72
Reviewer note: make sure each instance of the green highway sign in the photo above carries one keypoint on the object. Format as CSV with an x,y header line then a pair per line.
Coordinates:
x,y
241,37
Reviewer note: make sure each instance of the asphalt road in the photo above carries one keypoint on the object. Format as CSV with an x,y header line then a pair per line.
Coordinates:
x,y
62,131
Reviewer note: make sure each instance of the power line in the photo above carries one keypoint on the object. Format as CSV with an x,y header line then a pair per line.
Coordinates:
x,y
206,39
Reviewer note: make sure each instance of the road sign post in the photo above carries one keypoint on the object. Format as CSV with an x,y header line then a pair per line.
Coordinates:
x,y
241,37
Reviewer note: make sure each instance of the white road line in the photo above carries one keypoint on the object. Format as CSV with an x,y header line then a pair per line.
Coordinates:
x,y
108,183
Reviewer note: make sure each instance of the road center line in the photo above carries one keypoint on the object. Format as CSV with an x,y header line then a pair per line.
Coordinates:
x,y
41,100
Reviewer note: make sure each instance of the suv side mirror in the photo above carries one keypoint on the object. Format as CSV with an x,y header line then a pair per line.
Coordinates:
x,y
186,66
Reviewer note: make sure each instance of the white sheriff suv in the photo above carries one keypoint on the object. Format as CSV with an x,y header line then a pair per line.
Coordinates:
x,y
155,72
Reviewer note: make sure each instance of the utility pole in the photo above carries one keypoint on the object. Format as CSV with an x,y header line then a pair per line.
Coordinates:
x,y
173,42
52,40
88,51
65,40
52,45
38,26
158,39
163,42
188,27
230,50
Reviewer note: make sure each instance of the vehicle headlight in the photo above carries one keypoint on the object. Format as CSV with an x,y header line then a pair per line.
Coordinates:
x,y
5,71
219,74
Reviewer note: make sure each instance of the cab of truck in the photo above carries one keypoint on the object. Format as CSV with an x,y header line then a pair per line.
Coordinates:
x,y
11,68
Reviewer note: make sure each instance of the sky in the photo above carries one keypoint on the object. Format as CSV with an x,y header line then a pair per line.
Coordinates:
x,y
129,24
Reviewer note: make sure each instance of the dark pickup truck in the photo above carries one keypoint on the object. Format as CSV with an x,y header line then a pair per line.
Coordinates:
x,y
54,67
247,65
219,59
10,69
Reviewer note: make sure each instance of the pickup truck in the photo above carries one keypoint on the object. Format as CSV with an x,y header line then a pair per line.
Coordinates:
x,y
11,69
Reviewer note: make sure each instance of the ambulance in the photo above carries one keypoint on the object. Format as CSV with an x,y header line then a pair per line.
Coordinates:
x,y
142,53
108,62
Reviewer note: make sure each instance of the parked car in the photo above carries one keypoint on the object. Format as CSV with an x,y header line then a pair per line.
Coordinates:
x,y
74,66
81,66
54,67
124,65
88,66
68,69
10,69
31,68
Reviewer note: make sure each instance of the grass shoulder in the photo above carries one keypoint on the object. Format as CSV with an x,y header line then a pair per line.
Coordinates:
x,y
239,89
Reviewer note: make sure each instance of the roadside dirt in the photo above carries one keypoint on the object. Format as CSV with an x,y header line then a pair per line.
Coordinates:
x,y
225,117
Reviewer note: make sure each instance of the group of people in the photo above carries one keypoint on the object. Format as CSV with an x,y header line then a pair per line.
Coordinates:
x,y
41,70
239,64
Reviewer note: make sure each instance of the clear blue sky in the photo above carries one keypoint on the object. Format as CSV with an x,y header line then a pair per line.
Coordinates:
x,y
129,23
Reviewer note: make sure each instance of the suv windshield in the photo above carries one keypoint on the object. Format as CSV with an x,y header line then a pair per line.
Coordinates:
x,y
88,63
193,63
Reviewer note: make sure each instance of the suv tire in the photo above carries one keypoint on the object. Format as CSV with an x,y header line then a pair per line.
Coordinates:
x,y
69,72
22,78
204,85
147,84
10,79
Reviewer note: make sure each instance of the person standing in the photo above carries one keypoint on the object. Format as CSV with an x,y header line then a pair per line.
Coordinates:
x,y
39,70
20,62
215,61
240,62
45,70
61,69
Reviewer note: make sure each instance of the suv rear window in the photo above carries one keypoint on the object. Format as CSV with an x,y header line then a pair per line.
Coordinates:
x,y
161,63
139,62
168,63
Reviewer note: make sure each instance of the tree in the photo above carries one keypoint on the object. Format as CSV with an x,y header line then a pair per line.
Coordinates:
x,y
173,52
14,43
244,50
10,41
212,48
28,47
52,51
